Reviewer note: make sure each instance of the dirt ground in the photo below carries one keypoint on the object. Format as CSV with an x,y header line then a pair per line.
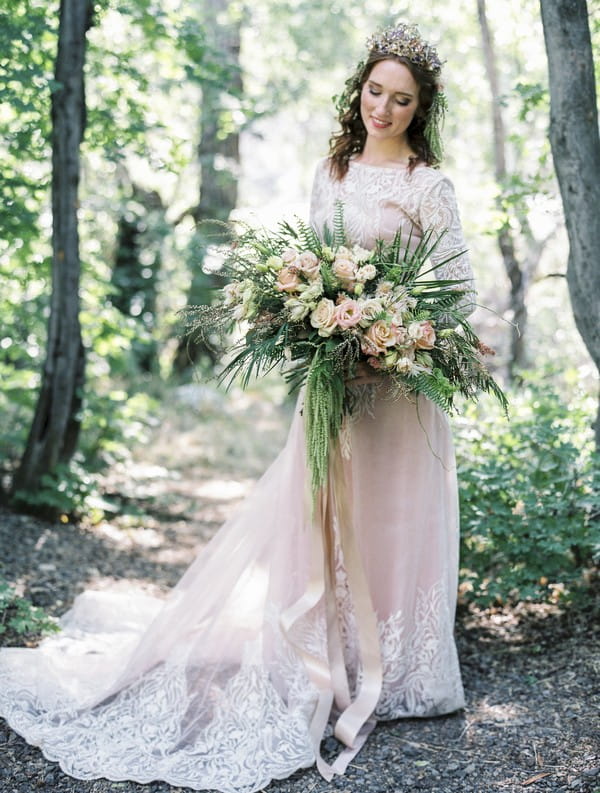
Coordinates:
x,y
531,673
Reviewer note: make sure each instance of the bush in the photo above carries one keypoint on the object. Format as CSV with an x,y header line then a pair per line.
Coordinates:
x,y
529,496
20,617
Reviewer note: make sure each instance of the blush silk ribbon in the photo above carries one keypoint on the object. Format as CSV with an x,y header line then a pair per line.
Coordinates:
x,y
356,719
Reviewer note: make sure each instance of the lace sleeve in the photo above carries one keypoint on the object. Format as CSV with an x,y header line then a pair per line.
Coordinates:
x,y
439,211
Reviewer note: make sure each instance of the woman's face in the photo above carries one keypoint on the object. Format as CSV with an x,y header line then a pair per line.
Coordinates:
x,y
389,100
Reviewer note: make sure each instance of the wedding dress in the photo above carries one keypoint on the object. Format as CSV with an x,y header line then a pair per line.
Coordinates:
x,y
275,630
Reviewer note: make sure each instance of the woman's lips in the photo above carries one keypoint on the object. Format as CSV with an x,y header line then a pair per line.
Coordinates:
x,y
377,122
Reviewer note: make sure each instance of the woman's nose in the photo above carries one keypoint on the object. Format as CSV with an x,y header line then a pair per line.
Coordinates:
x,y
383,105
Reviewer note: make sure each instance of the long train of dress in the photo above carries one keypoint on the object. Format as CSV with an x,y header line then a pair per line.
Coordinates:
x,y
210,692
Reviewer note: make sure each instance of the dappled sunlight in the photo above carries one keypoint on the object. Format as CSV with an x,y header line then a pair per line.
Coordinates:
x,y
505,713
223,489
129,538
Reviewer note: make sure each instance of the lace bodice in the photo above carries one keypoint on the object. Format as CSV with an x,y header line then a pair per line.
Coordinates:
x,y
379,200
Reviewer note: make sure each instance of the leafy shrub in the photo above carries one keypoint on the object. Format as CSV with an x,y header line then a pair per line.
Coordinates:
x,y
530,497
20,617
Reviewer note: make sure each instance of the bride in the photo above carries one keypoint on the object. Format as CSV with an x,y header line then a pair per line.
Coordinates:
x,y
281,631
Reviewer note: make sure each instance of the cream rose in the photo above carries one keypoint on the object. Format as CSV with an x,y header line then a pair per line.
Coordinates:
x,y
288,280
322,317
309,264
347,313
423,334
344,269
290,256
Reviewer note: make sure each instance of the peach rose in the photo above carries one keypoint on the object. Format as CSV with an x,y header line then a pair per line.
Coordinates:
x,y
423,334
347,313
381,335
322,317
288,280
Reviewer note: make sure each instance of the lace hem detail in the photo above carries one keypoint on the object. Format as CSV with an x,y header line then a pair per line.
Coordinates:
x,y
152,730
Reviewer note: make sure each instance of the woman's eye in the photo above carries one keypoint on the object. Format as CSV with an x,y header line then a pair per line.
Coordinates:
x,y
402,102
374,93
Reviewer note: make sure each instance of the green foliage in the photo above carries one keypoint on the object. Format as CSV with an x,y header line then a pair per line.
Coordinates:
x,y
19,616
530,497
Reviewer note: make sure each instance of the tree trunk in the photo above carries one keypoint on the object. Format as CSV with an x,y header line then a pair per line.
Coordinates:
x,y
517,274
575,146
142,227
55,428
219,159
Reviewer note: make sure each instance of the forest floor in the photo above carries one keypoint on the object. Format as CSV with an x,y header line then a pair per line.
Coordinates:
x,y
531,672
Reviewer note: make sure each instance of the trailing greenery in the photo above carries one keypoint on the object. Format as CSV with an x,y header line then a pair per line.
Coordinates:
x,y
19,616
529,496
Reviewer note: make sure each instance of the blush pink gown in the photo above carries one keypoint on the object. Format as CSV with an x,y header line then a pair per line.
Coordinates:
x,y
276,630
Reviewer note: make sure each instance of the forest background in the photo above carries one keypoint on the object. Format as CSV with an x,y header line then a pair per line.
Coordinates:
x,y
198,109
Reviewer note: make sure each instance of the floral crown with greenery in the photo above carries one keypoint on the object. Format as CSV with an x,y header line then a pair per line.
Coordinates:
x,y
405,41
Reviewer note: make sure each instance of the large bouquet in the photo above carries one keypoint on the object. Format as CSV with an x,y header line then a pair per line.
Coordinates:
x,y
321,308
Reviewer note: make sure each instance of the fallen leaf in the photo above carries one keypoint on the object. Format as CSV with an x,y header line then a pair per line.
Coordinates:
x,y
535,778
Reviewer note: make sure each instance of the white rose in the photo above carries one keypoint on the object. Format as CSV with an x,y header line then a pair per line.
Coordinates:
x,y
323,317
370,309
344,268
361,254
366,273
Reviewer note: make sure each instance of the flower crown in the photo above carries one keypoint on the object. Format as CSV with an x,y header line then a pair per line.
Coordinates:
x,y
405,40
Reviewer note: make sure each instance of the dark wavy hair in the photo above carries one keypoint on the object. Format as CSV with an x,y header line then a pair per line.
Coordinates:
x,y
351,138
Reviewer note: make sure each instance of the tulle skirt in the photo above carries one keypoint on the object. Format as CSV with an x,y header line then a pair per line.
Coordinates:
x,y
286,626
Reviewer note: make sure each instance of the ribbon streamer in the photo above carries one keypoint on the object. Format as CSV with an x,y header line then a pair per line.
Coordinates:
x,y
330,678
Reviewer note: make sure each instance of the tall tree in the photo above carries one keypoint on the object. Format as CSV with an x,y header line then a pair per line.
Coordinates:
x,y
516,271
575,143
54,432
